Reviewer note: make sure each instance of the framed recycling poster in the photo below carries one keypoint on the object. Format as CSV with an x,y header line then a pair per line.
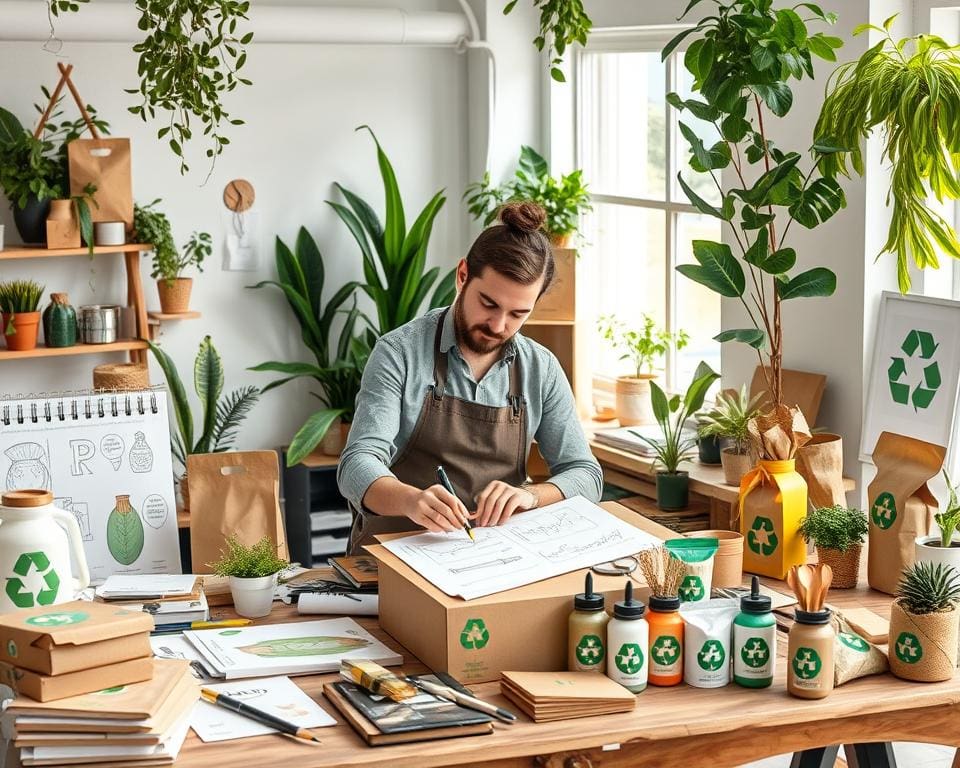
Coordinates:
x,y
913,385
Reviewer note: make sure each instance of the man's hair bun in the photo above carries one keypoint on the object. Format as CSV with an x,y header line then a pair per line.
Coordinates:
x,y
523,216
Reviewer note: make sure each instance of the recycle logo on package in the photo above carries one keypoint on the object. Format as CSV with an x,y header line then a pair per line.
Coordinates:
x,y
711,656
883,513
60,619
806,663
691,589
755,652
918,393
589,651
761,537
474,635
666,650
909,650
17,591
853,641
629,659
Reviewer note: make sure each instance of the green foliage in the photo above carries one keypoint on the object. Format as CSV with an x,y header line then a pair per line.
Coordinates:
x,y
641,347
730,416
339,360
564,199
742,57
152,226
189,58
562,23
928,588
949,520
20,296
63,6
393,257
81,209
910,89
672,413
221,418
248,562
834,527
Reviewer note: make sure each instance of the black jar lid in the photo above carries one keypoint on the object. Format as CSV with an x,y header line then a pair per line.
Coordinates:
x,y
588,600
629,608
664,604
813,617
755,602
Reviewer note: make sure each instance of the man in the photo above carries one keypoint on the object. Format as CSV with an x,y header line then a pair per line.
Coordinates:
x,y
461,388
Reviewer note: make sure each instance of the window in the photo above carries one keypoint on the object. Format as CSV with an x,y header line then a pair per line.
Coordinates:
x,y
629,146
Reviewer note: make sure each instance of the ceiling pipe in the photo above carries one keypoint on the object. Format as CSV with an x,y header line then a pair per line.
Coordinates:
x,y
103,22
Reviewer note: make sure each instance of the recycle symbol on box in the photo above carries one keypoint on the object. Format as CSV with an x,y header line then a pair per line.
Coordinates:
x,y
922,393
474,635
761,537
17,591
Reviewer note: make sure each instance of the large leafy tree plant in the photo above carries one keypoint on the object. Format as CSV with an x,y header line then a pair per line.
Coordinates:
x,y
742,58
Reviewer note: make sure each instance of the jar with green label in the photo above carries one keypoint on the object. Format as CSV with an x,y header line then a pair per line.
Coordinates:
x,y
754,640
587,631
627,638
810,655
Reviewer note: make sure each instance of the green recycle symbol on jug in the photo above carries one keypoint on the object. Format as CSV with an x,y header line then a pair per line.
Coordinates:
x,y
923,392
761,538
589,651
17,591
630,658
691,589
474,635
807,663
666,650
711,656
883,513
755,652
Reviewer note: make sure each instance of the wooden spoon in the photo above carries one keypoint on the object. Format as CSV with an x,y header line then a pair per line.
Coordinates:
x,y
826,579
805,578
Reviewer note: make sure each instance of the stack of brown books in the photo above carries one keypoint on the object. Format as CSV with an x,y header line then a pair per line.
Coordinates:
x,y
546,696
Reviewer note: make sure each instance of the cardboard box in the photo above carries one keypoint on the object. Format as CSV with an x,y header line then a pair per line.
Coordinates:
x,y
53,687
56,639
474,640
560,302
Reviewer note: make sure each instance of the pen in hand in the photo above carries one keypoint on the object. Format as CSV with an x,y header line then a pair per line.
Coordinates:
x,y
445,482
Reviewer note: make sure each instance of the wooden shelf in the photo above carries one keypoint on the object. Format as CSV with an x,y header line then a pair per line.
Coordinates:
x,y
39,252
125,345
164,316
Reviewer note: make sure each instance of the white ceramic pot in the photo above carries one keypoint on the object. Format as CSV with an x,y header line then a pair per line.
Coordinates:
x,y
253,598
928,550
634,407
36,542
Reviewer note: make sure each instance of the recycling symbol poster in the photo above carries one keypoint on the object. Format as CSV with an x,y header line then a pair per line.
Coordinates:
x,y
913,385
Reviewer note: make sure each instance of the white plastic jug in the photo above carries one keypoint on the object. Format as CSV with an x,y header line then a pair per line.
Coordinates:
x,y
36,541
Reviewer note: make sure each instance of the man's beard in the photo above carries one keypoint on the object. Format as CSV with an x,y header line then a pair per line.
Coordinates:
x,y
471,337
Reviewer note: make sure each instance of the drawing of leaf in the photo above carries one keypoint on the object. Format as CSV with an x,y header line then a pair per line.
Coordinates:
x,y
318,645
124,536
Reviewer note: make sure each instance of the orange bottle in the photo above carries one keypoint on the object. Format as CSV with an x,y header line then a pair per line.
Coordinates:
x,y
666,641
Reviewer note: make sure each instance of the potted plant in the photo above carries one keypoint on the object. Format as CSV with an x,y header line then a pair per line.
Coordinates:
x,y
642,348
19,302
676,445
838,533
708,445
942,548
729,420
923,623
253,575
564,199
222,417
152,226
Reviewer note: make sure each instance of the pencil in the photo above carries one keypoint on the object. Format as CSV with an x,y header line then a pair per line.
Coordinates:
x,y
445,482
257,714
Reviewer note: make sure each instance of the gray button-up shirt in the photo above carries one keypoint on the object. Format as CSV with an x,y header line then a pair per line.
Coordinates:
x,y
398,375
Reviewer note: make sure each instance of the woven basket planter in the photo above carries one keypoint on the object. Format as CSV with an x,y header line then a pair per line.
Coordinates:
x,y
175,295
845,565
922,647
121,376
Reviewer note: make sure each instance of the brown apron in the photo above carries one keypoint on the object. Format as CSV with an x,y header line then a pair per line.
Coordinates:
x,y
475,443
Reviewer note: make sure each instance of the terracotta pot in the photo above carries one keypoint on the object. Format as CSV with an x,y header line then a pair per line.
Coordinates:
x,y
335,438
175,294
735,465
560,241
845,565
922,647
26,330
728,562
634,406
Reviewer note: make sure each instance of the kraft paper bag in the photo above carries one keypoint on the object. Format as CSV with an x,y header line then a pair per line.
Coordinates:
x,y
233,493
901,505
105,163
820,463
853,655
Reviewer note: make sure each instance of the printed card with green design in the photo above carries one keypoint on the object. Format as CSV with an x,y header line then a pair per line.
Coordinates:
x,y
300,648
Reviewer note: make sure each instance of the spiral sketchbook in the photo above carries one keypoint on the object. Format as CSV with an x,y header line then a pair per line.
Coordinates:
x,y
106,458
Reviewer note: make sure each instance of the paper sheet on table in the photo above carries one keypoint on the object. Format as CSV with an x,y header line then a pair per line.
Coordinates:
x,y
531,546
279,696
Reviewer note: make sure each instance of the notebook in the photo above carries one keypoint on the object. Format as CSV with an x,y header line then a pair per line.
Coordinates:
x,y
89,448
547,696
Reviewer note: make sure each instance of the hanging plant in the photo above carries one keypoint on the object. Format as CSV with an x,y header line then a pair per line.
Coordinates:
x,y
563,23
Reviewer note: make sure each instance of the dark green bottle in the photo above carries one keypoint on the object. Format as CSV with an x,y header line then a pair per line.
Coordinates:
x,y
754,640
59,322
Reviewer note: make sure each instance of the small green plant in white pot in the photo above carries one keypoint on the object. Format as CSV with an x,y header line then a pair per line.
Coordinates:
x,y
728,420
253,573
944,548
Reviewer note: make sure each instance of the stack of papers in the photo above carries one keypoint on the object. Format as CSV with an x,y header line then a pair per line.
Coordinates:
x,y
546,696
169,599
300,648
626,438
133,724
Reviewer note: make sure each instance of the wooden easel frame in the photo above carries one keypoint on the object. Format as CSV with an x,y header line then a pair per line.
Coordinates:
x,y
65,70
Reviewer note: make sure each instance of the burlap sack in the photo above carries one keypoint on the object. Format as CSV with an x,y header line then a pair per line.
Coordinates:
x,y
820,463
853,655
901,505
233,493
923,647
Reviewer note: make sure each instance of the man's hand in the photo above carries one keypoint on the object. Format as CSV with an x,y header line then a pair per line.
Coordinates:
x,y
498,501
436,509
